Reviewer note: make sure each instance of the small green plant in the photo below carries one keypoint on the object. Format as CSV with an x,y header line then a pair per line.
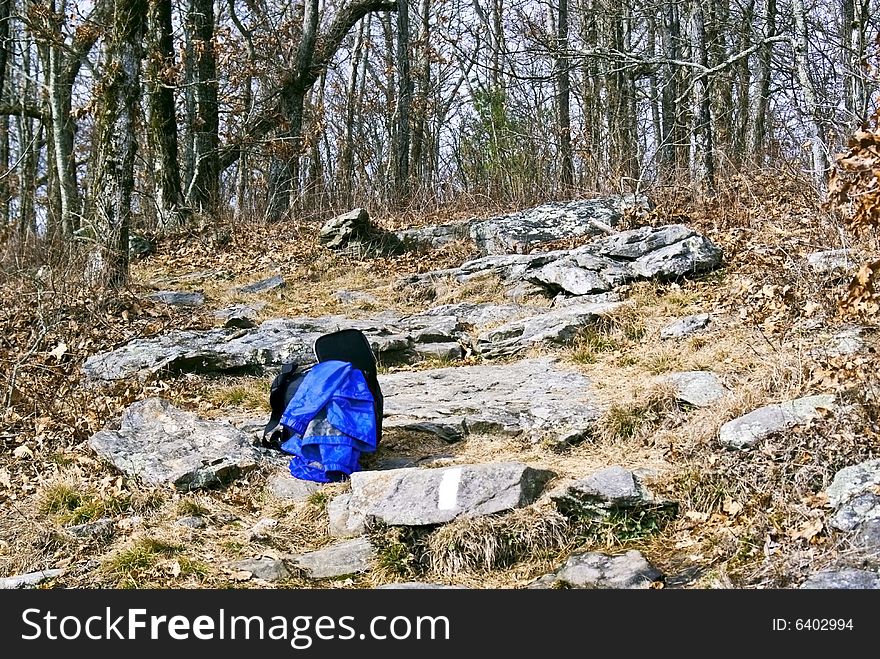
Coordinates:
x,y
68,504
130,566
591,343
614,526
190,508
318,500
623,421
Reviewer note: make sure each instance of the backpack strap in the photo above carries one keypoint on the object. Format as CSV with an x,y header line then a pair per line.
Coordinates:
x,y
277,403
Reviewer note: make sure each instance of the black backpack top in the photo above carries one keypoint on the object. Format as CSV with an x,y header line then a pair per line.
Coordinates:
x,y
348,345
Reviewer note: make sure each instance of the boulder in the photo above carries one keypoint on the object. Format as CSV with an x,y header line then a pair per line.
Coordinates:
x,y
746,431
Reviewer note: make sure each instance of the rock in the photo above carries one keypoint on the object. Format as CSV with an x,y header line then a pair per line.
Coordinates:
x,y
260,530
179,298
843,579
29,579
684,326
139,246
746,431
269,345
523,291
846,342
478,315
528,229
285,486
853,495
192,522
441,351
697,388
833,261
339,560
563,300
662,253
103,527
693,256
856,511
566,275
612,487
240,316
422,497
161,444
262,286
342,524
867,536
629,570
346,228
265,568
555,327
537,398
354,233
355,298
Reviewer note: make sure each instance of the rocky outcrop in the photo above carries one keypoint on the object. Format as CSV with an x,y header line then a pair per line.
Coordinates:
x,y
162,445
525,230
540,399
662,253
854,494
424,497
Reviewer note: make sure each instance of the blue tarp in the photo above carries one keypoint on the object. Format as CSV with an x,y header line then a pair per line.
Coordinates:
x,y
332,421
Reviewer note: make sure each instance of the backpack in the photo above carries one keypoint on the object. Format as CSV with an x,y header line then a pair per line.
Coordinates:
x,y
300,427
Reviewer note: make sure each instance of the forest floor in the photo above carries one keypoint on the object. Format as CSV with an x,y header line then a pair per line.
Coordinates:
x,y
746,520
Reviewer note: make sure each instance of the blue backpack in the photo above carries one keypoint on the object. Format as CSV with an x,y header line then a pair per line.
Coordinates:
x,y
325,416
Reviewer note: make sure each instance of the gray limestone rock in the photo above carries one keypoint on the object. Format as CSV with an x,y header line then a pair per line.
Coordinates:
x,y
697,388
161,444
265,568
179,298
554,327
746,431
843,579
338,560
539,398
262,286
423,497
629,570
28,580
684,326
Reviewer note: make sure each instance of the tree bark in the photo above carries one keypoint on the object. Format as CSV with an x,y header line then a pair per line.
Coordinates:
x,y
203,191
116,135
563,98
810,109
760,93
161,116
404,102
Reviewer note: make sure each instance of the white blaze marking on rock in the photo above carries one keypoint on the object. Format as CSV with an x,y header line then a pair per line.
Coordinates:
x,y
448,491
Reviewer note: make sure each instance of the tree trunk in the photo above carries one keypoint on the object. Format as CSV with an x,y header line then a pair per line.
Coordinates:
x,y
117,145
404,102
420,99
563,99
161,117
703,162
203,191
760,94
671,138
5,49
810,108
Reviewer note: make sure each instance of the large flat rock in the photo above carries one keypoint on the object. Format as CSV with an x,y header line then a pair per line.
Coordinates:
x,y
163,445
629,570
423,497
270,344
541,399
